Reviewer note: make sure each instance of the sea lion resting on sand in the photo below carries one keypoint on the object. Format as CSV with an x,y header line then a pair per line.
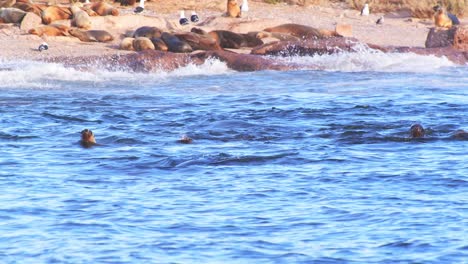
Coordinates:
x,y
87,138
52,30
53,13
7,3
91,35
104,9
142,43
30,7
199,41
11,15
80,18
147,32
302,31
231,40
126,44
233,9
276,35
174,44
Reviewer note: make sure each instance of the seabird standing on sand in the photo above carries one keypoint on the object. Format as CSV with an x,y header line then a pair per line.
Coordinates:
x,y
194,17
245,6
380,21
43,46
183,21
140,8
365,10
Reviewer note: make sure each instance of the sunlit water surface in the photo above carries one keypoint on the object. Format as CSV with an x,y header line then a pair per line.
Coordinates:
x,y
285,167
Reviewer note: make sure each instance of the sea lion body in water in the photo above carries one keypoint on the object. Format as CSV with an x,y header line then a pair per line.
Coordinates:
x,y
233,9
87,138
147,32
174,44
302,31
417,131
80,18
54,13
53,30
91,35
11,15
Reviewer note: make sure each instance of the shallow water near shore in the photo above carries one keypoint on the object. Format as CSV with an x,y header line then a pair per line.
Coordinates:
x,y
285,167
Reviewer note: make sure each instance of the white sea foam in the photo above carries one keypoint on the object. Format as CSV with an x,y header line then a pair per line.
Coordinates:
x,y
41,75
371,60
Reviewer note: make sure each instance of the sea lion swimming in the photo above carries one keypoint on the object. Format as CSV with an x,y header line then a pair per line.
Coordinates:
x,y
185,140
417,131
87,138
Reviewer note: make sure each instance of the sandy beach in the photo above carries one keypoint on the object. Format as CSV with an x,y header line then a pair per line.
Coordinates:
x,y
399,29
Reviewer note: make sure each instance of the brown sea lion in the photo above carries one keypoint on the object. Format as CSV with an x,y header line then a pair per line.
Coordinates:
x,y
233,9
11,15
441,18
231,40
54,13
185,140
417,131
52,30
276,35
7,3
80,18
460,134
159,44
91,35
147,32
126,2
143,43
175,44
126,44
199,41
302,31
104,9
29,7
87,138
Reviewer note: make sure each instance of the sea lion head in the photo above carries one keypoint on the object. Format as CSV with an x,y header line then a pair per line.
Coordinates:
x,y
87,137
417,131
437,8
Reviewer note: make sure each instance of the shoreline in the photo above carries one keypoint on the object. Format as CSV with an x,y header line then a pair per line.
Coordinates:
x,y
399,30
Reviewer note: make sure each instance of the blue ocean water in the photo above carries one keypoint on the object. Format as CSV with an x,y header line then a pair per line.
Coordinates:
x,y
285,167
